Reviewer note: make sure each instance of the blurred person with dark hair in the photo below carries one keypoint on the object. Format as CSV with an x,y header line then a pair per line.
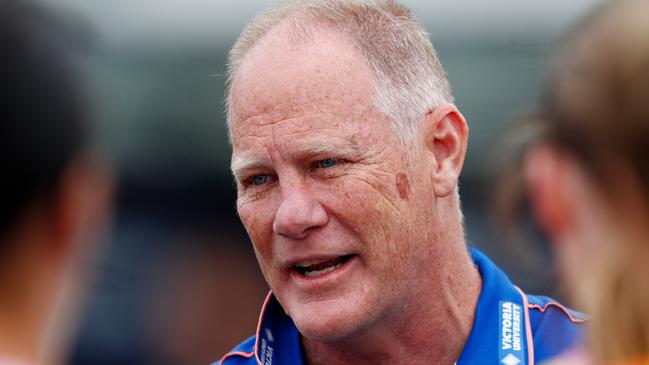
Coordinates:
x,y
54,191
587,175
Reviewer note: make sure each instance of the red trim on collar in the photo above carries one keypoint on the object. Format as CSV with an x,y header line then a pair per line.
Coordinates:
x,y
561,307
528,328
247,355
254,353
261,319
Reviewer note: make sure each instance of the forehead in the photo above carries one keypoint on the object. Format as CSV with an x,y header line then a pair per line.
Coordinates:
x,y
280,79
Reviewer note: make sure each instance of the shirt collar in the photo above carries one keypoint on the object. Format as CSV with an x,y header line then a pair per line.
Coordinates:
x,y
501,332
278,340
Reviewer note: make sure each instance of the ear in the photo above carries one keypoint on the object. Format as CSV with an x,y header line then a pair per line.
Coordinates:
x,y
82,203
445,134
545,179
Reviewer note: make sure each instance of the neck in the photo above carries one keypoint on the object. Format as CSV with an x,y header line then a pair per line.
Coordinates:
x,y
430,327
28,286
22,318
18,338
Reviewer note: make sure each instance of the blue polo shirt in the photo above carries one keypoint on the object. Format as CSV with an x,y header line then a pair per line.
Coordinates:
x,y
510,328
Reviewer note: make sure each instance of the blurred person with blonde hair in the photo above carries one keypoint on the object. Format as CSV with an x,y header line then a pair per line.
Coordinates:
x,y
54,192
587,176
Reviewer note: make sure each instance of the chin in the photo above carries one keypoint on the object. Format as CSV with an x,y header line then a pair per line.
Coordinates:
x,y
330,321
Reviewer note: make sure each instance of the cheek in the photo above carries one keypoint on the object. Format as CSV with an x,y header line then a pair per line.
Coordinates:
x,y
374,213
570,263
257,218
365,205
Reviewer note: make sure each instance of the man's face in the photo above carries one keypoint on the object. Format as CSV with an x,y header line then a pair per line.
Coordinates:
x,y
340,222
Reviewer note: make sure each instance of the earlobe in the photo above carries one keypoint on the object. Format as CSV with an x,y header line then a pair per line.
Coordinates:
x,y
82,203
543,178
446,133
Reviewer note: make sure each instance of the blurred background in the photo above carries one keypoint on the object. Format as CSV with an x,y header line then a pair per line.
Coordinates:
x,y
177,281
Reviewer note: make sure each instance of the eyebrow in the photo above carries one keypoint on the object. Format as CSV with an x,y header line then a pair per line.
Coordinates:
x,y
243,163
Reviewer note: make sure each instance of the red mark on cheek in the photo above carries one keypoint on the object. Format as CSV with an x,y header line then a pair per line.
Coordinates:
x,y
403,186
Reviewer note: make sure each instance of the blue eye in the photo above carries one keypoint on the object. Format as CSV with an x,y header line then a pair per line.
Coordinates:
x,y
327,163
259,179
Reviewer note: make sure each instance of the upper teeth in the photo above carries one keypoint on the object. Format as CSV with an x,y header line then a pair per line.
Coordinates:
x,y
327,269
305,264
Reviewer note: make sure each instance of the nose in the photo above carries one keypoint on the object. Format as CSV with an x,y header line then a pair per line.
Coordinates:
x,y
298,214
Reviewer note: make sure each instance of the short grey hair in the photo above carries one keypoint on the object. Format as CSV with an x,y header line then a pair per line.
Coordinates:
x,y
410,80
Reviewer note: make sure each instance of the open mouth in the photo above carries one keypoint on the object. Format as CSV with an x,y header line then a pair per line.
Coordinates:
x,y
315,268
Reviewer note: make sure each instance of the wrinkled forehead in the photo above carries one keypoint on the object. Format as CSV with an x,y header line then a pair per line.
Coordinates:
x,y
279,79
